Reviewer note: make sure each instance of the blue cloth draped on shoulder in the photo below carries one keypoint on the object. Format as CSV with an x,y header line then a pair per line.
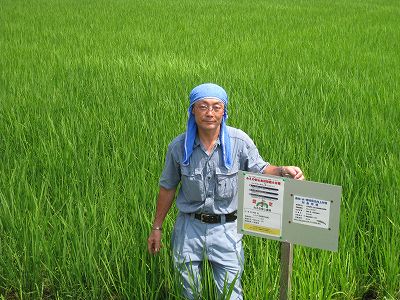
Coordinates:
x,y
207,90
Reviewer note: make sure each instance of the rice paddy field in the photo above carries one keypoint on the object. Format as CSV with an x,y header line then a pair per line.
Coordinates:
x,y
92,92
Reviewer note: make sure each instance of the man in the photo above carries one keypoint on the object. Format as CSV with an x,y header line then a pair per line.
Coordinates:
x,y
205,160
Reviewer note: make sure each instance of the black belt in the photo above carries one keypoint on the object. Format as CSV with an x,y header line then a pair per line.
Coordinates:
x,y
214,219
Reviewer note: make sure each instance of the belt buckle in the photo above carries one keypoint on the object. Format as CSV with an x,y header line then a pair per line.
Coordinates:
x,y
202,217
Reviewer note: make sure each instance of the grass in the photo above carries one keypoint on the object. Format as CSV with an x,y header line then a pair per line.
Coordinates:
x,y
91,93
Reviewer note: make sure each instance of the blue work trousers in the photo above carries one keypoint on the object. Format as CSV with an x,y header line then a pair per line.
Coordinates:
x,y
194,241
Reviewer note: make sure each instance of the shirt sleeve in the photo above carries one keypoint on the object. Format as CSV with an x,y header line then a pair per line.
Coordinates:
x,y
253,162
171,175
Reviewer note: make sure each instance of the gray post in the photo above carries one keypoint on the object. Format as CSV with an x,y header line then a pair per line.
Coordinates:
x,y
286,270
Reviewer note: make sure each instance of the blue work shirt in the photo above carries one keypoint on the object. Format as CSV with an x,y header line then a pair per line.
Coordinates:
x,y
206,185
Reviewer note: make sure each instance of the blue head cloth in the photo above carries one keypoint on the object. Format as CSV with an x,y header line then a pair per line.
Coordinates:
x,y
207,90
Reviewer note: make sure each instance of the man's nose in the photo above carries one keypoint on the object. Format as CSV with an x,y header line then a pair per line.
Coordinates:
x,y
210,111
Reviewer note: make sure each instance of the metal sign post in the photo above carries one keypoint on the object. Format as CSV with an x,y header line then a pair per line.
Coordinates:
x,y
286,270
290,211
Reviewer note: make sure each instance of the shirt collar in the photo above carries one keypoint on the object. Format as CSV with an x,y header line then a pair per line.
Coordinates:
x,y
197,142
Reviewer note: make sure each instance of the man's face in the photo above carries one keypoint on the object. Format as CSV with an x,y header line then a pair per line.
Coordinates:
x,y
208,114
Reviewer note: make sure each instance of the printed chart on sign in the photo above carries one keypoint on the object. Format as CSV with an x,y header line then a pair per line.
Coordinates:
x,y
263,205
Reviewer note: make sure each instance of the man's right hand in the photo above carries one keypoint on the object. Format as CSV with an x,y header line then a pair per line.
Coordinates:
x,y
164,202
154,241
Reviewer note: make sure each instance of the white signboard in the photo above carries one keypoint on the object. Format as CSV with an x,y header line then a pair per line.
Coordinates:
x,y
263,206
299,212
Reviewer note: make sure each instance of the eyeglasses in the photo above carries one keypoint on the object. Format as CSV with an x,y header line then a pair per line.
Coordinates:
x,y
216,107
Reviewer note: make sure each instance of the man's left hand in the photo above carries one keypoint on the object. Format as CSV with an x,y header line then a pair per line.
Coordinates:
x,y
293,172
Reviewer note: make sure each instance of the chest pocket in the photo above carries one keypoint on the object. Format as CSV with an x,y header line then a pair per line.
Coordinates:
x,y
192,184
226,187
